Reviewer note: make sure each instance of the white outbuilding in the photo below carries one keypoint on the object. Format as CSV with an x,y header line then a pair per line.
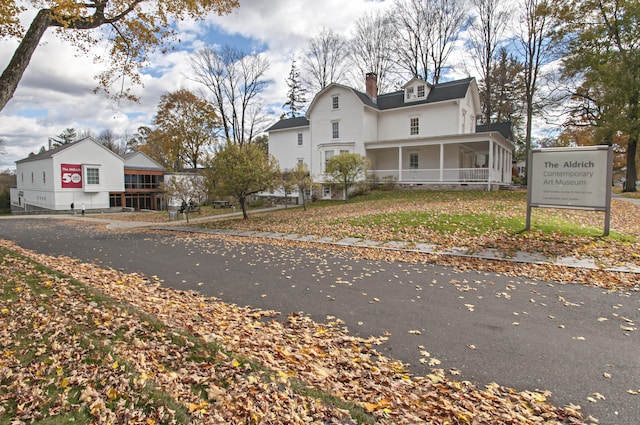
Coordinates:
x,y
82,172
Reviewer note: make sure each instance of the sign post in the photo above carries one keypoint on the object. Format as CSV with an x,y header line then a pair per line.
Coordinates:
x,y
576,178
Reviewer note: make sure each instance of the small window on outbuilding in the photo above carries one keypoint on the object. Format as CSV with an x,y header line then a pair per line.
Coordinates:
x,y
93,175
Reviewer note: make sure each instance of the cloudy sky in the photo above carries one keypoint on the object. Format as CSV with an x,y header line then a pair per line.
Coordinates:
x,y
56,90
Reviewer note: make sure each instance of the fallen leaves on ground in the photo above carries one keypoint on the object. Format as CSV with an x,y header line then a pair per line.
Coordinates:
x,y
120,348
379,220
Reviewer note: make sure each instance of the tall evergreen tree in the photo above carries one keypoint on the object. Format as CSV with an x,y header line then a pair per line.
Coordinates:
x,y
296,94
64,138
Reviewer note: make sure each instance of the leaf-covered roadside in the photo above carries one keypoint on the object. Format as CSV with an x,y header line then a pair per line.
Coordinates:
x,y
110,347
385,218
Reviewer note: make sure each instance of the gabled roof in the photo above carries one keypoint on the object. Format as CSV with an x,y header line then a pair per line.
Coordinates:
x,y
132,161
289,123
45,154
450,90
504,128
441,92
52,152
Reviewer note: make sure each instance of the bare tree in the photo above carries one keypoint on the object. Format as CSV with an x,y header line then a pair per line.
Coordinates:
x,y
111,141
372,49
411,47
234,82
538,23
427,32
324,60
450,16
485,34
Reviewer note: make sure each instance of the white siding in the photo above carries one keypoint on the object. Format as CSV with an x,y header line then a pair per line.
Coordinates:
x,y
350,117
51,194
438,119
140,160
283,145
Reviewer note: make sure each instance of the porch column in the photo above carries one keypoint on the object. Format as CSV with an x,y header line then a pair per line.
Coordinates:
x,y
441,162
500,163
505,166
490,163
399,163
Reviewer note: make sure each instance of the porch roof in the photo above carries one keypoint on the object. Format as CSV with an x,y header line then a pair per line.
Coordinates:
x,y
494,136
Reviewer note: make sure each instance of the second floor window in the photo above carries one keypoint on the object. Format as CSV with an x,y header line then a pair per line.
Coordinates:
x,y
335,130
414,126
299,139
335,102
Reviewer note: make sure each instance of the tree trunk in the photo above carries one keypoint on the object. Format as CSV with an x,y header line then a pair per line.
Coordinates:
x,y
527,137
346,191
15,69
632,173
242,200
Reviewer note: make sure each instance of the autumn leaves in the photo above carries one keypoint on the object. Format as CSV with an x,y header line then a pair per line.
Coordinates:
x,y
109,347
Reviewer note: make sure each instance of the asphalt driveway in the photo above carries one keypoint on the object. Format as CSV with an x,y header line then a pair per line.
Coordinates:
x,y
578,342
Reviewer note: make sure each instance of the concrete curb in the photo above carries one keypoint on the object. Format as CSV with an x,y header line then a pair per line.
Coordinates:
x,y
424,248
517,257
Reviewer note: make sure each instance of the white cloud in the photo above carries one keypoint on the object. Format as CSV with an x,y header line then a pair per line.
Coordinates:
x,y
56,91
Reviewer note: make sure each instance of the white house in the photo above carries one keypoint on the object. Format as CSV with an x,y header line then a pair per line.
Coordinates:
x,y
82,172
423,134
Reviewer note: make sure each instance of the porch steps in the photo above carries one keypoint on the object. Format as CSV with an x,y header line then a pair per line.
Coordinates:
x,y
508,187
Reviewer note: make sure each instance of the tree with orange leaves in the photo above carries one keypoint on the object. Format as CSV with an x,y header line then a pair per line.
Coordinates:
x,y
138,27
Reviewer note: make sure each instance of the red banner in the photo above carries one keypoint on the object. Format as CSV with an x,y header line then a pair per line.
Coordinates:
x,y
71,175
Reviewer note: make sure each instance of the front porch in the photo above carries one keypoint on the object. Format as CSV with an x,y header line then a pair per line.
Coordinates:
x,y
481,159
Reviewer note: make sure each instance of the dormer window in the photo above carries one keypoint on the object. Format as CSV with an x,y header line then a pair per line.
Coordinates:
x,y
410,94
415,90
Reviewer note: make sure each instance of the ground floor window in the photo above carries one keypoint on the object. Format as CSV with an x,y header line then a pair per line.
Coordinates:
x,y
326,192
137,201
115,199
413,161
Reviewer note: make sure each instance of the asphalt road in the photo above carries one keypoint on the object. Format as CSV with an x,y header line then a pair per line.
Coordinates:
x,y
577,342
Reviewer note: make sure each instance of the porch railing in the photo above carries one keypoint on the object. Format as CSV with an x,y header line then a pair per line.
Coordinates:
x,y
449,175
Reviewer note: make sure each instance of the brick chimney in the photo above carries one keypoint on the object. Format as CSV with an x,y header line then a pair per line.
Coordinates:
x,y
372,85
